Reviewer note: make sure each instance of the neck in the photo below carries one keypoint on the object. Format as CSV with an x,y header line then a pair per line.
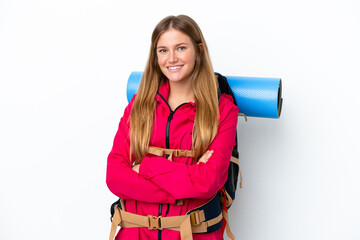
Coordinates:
x,y
180,92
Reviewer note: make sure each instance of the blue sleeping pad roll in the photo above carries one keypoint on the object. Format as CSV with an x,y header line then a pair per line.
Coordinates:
x,y
255,97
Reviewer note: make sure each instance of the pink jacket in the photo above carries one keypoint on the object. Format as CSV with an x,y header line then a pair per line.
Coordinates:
x,y
161,181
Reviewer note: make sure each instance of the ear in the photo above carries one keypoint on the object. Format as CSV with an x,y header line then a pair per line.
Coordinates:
x,y
200,45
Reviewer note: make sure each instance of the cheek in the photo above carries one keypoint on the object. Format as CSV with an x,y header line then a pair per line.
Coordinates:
x,y
190,58
161,60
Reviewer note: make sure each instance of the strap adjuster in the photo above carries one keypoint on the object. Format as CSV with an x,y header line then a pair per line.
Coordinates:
x,y
183,153
154,222
195,218
180,153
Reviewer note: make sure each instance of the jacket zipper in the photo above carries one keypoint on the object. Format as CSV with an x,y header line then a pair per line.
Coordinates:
x,y
168,129
167,138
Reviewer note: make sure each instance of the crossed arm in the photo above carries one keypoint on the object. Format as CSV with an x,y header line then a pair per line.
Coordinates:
x,y
166,181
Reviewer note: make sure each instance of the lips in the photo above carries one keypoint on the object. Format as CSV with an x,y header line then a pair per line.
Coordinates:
x,y
174,68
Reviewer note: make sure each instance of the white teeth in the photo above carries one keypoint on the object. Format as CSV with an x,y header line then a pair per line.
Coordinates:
x,y
173,68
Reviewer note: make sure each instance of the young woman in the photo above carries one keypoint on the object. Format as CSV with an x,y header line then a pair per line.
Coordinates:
x,y
176,107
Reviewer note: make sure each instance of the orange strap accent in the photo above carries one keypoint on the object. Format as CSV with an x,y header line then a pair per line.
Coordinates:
x,y
241,114
241,179
236,161
116,221
228,230
171,152
226,201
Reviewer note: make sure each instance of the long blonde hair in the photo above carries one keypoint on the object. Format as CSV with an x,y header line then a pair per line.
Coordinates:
x,y
204,86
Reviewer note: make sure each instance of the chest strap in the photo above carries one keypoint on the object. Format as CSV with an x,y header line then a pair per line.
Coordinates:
x,y
194,222
171,152
183,153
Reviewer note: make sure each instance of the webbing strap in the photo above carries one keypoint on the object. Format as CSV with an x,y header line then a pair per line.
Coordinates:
x,y
234,160
241,179
184,153
228,230
116,221
224,199
228,200
171,152
241,114
185,224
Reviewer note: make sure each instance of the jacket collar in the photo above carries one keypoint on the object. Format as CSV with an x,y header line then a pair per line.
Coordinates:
x,y
164,91
162,94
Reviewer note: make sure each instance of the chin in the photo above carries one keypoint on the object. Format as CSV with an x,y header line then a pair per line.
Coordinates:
x,y
177,79
174,78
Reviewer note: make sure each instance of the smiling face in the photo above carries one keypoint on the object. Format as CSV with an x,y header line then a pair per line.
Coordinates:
x,y
176,55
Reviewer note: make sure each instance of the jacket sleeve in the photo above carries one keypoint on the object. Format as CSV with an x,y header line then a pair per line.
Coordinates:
x,y
121,179
197,180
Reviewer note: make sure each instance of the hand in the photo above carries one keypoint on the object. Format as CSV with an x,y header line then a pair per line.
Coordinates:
x,y
136,168
206,156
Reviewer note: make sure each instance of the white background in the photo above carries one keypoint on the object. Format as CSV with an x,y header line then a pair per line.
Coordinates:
x,y
63,70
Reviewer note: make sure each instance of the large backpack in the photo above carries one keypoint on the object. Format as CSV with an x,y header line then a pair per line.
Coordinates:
x,y
221,202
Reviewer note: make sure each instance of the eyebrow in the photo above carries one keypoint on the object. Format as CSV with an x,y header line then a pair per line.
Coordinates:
x,y
175,45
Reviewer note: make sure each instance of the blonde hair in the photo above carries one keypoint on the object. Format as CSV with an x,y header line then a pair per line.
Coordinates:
x,y
204,85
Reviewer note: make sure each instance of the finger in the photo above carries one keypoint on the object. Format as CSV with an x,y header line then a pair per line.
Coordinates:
x,y
136,168
209,155
206,156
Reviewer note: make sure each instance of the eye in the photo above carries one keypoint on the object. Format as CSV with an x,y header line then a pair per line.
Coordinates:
x,y
162,50
181,48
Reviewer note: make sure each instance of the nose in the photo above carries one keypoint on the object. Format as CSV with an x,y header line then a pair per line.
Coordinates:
x,y
172,57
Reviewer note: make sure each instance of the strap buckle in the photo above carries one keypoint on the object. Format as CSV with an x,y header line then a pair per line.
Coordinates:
x,y
154,222
183,153
180,153
195,218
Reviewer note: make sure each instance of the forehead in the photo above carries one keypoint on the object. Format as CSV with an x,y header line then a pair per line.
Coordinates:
x,y
173,37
